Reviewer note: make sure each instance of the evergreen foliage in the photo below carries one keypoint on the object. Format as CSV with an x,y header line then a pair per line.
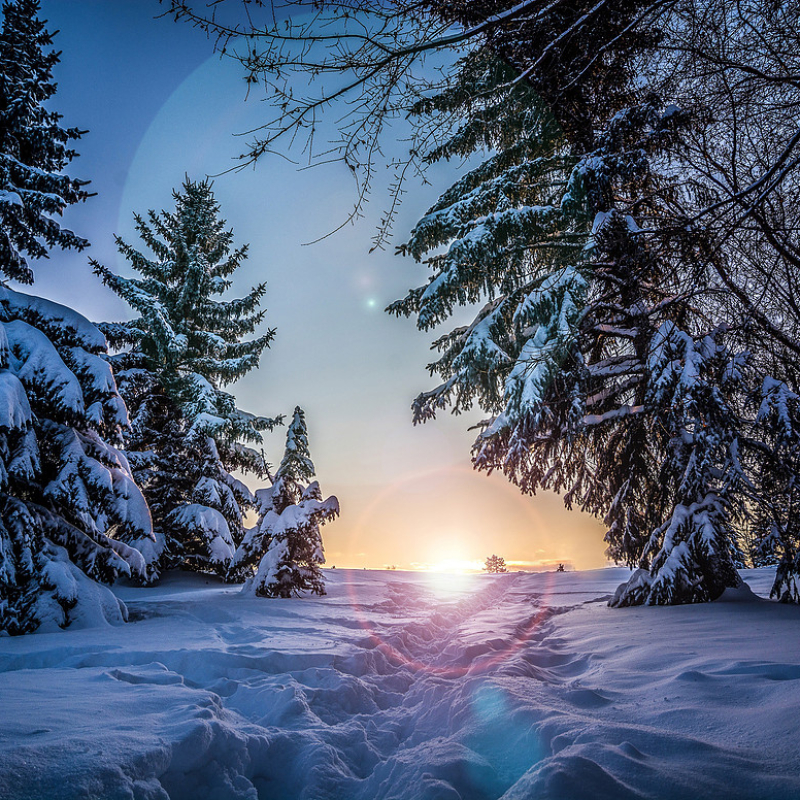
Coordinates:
x,y
638,186
691,553
70,512
650,420
187,434
69,508
495,564
285,547
583,277
34,148
776,528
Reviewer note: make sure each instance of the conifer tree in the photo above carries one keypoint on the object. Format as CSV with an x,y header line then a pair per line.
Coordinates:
x,y
285,547
34,149
571,244
495,564
186,432
676,490
69,509
693,390
776,524
70,512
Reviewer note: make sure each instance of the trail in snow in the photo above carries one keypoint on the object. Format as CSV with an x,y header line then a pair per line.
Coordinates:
x,y
401,686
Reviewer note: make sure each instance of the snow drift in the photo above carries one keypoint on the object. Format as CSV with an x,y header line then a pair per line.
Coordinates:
x,y
406,686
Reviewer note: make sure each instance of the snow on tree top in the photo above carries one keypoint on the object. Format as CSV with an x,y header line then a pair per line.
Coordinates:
x,y
37,363
15,411
52,316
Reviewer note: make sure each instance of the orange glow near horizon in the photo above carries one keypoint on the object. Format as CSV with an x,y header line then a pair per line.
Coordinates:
x,y
450,520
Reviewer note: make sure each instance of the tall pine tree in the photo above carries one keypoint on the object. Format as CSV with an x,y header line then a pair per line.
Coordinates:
x,y
70,513
566,233
187,344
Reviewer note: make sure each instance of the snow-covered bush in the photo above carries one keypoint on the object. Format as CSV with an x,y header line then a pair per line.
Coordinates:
x,y
286,544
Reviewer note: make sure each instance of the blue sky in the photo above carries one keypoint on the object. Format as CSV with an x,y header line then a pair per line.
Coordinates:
x,y
160,105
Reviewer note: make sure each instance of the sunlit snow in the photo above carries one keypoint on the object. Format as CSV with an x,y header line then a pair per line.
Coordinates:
x,y
408,686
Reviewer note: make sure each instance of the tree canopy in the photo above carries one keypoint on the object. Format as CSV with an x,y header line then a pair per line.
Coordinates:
x,y
34,147
628,239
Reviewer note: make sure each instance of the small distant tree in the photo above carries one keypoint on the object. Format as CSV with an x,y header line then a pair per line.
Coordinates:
x,y
285,547
495,564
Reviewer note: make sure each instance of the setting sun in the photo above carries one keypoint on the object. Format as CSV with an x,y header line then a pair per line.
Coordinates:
x,y
457,565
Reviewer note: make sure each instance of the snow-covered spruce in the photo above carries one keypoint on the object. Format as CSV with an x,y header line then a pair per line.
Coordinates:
x,y
286,544
774,538
33,146
576,299
70,512
172,363
690,555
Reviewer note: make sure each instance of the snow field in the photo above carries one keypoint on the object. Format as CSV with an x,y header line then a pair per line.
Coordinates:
x,y
407,686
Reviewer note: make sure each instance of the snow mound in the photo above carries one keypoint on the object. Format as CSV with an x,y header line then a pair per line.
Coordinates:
x,y
406,686
741,594
94,606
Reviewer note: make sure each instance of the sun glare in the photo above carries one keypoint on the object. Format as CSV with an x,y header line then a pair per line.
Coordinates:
x,y
453,574
456,565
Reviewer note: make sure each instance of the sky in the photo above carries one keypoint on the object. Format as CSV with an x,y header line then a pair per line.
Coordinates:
x,y
159,105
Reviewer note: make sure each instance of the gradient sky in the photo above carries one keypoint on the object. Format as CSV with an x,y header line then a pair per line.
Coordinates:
x,y
159,105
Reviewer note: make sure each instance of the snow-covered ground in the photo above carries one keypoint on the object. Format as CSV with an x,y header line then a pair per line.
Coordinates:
x,y
408,686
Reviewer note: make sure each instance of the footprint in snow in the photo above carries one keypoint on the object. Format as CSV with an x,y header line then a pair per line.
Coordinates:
x,y
155,674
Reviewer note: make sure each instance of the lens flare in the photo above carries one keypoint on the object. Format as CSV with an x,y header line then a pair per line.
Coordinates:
x,y
474,659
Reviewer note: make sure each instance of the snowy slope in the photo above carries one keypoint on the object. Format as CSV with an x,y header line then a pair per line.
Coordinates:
x,y
407,686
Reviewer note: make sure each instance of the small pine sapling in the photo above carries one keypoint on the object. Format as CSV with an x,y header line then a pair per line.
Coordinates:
x,y
285,547
495,564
